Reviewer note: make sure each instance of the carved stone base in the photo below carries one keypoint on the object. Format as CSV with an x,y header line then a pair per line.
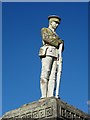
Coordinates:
x,y
45,109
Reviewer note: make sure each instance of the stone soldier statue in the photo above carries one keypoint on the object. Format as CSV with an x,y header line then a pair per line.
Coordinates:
x,y
49,55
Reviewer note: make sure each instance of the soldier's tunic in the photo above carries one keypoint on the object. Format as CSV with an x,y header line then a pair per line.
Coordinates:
x,y
48,54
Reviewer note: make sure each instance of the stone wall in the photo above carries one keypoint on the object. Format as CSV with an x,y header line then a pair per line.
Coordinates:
x,y
45,109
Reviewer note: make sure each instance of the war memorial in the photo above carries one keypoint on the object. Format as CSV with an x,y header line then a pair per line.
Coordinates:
x,y
50,106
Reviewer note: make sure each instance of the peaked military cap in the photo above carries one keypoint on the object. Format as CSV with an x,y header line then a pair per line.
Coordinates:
x,y
54,18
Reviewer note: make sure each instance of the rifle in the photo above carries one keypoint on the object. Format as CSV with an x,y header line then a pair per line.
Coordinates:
x,y
59,69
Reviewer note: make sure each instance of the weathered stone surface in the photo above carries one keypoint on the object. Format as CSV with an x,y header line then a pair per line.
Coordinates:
x,y
45,109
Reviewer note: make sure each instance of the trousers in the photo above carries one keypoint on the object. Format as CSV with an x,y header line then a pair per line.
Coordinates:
x,y
48,76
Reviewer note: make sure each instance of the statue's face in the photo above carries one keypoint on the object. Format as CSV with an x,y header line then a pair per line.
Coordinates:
x,y
54,24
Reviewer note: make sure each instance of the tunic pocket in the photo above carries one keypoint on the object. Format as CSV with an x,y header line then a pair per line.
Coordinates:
x,y
42,51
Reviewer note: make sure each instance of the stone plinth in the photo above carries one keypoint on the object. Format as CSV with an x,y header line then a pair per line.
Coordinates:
x,y
45,109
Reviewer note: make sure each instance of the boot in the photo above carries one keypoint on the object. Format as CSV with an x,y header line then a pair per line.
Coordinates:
x,y
43,85
51,87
